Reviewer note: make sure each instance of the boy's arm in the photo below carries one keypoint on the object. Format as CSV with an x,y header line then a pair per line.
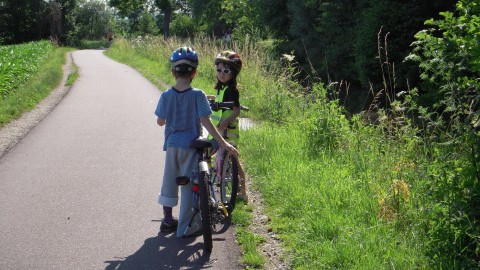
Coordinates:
x,y
224,123
160,121
205,120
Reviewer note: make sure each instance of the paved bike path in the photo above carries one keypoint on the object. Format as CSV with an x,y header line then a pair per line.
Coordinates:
x,y
79,190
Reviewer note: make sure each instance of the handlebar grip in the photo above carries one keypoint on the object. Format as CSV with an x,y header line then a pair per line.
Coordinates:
x,y
228,105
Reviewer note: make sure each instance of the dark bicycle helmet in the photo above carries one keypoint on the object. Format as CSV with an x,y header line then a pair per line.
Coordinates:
x,y
231,58
184,56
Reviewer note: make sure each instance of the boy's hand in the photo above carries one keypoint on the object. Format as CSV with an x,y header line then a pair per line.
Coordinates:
x,y
222,126
232,150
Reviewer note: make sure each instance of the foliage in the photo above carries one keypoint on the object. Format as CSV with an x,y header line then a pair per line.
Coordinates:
x,y
92,20
182,25
38,86
449,58
166,6
127,7
19,62
34,17
338,39
62,20
208,16
147,24
450,62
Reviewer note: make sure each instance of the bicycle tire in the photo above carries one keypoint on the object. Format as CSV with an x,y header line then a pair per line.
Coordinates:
x,y
229,186
205,211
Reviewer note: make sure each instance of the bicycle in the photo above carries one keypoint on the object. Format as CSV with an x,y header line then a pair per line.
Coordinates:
x,y
213,198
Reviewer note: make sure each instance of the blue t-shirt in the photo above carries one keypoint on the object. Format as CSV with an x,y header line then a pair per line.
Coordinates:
x,y
182,112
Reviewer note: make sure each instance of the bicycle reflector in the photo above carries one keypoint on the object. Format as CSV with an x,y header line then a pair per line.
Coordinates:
x,y
196,188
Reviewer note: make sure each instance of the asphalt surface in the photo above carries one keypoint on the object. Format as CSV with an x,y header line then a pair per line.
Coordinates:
x,y
79,190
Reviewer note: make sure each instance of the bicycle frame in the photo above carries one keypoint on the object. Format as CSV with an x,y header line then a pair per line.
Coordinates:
x,y
207,200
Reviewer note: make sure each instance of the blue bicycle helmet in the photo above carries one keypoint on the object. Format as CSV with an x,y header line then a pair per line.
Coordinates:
x,y
184,56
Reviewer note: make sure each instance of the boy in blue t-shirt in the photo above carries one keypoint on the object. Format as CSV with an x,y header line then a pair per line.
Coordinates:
x,y
182,110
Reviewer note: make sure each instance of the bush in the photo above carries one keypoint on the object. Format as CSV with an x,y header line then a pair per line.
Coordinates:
x,y
449,57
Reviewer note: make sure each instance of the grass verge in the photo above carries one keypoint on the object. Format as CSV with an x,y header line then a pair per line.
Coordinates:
x,y
39,86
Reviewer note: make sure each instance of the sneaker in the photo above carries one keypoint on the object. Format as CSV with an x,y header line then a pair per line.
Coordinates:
x,y
169,227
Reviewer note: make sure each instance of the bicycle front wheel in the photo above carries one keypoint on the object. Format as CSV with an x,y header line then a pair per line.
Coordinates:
x,y
229,186
205,210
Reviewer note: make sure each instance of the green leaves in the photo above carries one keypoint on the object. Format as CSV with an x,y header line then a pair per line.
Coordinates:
x,y
448,54
19,62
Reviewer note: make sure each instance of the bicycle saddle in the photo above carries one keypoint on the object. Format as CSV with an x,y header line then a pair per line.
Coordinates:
x,y
200,144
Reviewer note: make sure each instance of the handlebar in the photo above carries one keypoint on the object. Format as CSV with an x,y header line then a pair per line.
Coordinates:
x,y
216,106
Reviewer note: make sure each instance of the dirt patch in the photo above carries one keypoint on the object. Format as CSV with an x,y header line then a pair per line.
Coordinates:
x,y
277,258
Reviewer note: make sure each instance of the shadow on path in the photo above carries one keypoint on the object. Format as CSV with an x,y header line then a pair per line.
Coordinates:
x,y
165,251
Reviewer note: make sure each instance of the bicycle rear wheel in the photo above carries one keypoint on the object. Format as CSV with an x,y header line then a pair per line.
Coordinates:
x,y
229,186
205,210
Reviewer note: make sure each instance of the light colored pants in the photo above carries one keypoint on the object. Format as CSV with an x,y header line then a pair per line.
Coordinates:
x,y
180,162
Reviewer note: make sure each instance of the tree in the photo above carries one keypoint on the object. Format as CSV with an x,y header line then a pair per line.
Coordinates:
x,y
127,7
91,19
448,53
208,16
23,21
147,24
337,40
182,25
133,8
274,15
167,7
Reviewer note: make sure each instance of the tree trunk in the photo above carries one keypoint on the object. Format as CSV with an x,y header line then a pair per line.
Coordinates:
x,y
166,21
56,22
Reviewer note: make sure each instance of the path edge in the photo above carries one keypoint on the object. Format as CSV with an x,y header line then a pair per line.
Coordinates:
x,y
16,130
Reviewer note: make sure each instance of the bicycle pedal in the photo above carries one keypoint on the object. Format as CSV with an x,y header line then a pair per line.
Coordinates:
x,y
182,180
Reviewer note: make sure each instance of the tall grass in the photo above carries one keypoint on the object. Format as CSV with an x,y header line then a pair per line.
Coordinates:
x,y
340,193
349,207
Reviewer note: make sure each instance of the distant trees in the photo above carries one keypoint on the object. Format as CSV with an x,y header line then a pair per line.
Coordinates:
x,y
63,21
23,20
90,20
335,40
136,10
339,38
